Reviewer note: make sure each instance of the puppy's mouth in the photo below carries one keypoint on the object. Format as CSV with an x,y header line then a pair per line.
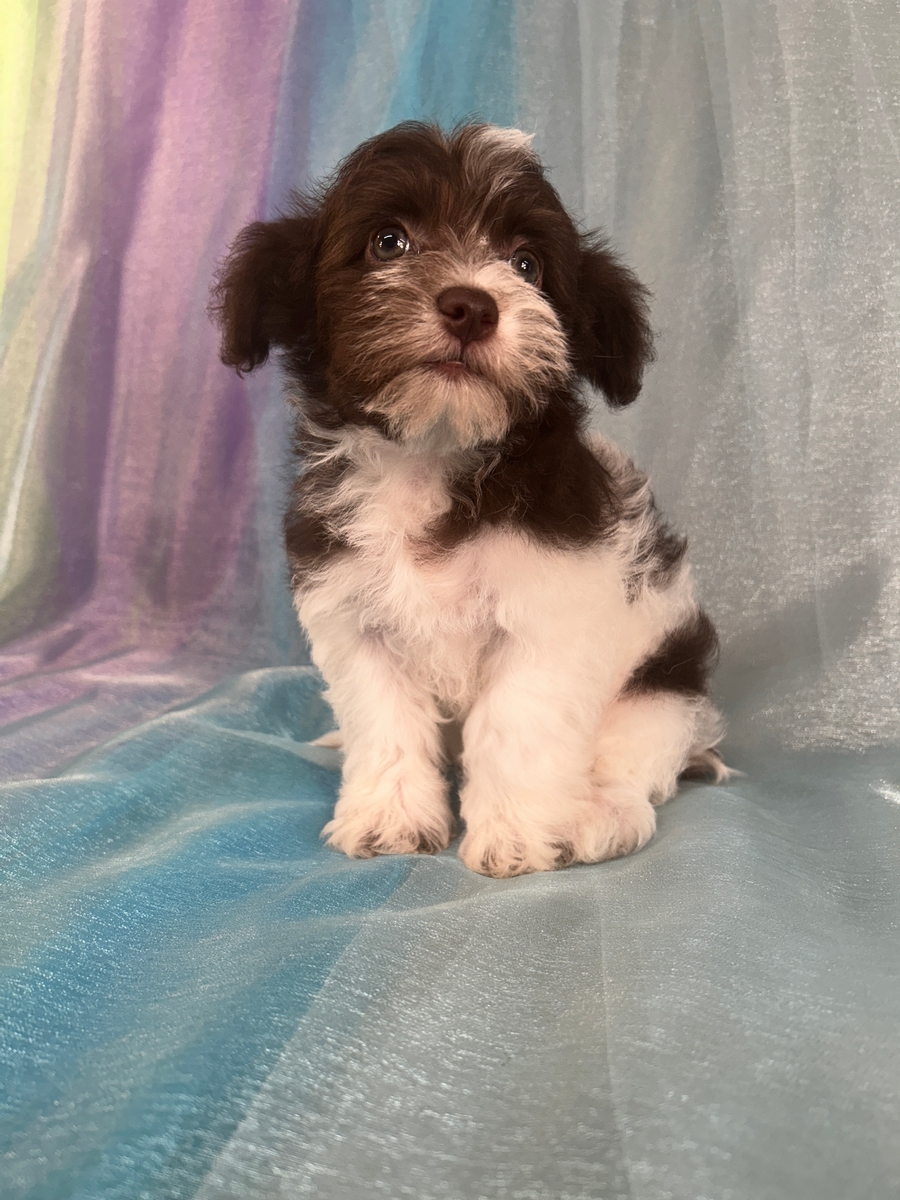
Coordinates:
x,y
452,368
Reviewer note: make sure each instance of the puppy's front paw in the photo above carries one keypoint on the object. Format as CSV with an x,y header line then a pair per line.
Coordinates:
x,y
610,825
372,819
503,851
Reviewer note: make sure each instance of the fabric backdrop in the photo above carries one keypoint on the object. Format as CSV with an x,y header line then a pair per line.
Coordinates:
x,y
197,999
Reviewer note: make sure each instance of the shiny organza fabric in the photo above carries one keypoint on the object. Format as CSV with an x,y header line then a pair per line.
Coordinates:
x,y
197,998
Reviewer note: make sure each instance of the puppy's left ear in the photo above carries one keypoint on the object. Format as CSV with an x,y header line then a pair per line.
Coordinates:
x,y
612,340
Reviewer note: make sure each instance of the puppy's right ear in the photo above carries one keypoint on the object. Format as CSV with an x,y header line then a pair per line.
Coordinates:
x,y
264,294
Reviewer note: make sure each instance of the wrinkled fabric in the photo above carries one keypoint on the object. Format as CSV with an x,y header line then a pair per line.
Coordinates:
x,y
197,998
202,1000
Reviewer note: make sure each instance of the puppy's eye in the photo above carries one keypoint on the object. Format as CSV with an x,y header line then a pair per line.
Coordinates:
x,y
390,244
526,264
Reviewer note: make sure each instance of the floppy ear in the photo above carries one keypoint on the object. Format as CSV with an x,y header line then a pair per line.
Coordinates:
x,y
613,341
264,294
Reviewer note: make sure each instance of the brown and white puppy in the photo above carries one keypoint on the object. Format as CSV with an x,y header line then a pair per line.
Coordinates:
x,y
461,550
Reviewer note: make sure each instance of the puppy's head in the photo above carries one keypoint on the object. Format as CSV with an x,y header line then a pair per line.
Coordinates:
x,y
436,279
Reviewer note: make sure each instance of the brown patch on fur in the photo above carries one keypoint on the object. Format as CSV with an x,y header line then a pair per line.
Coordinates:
x,y
658,556
682,663
543,479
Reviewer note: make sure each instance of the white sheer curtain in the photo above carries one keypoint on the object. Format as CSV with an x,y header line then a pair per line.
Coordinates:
x,y
744,158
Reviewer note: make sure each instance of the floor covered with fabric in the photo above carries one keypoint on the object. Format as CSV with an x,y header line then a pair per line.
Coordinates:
x,y
201,1000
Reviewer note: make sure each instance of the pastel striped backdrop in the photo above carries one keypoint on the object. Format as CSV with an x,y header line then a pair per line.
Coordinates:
x,y
140,483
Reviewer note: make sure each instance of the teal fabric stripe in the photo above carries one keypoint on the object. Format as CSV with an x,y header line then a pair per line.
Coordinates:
x,y
460,62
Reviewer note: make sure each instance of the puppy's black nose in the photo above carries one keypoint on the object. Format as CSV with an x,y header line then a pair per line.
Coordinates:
x,y
469,313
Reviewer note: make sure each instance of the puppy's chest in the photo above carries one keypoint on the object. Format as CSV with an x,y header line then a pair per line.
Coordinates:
x,y
400,568
395,498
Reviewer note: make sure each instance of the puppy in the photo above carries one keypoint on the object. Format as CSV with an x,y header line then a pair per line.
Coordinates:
x,y
461,551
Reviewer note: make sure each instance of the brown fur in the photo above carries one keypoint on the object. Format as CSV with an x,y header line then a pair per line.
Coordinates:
x,y
683,662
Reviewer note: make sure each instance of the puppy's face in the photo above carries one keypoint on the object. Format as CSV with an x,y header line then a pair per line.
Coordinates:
x,y
438,281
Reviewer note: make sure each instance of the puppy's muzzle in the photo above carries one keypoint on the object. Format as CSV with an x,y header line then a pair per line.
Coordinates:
x,y
470,314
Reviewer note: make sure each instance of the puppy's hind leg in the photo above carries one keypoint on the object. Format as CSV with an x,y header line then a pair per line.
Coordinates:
x,y
644,745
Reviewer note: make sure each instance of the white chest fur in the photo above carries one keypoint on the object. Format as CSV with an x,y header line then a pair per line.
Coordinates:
x,y
435,612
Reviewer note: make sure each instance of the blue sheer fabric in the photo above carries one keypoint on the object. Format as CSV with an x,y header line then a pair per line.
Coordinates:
x,y
197,998
202,1001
